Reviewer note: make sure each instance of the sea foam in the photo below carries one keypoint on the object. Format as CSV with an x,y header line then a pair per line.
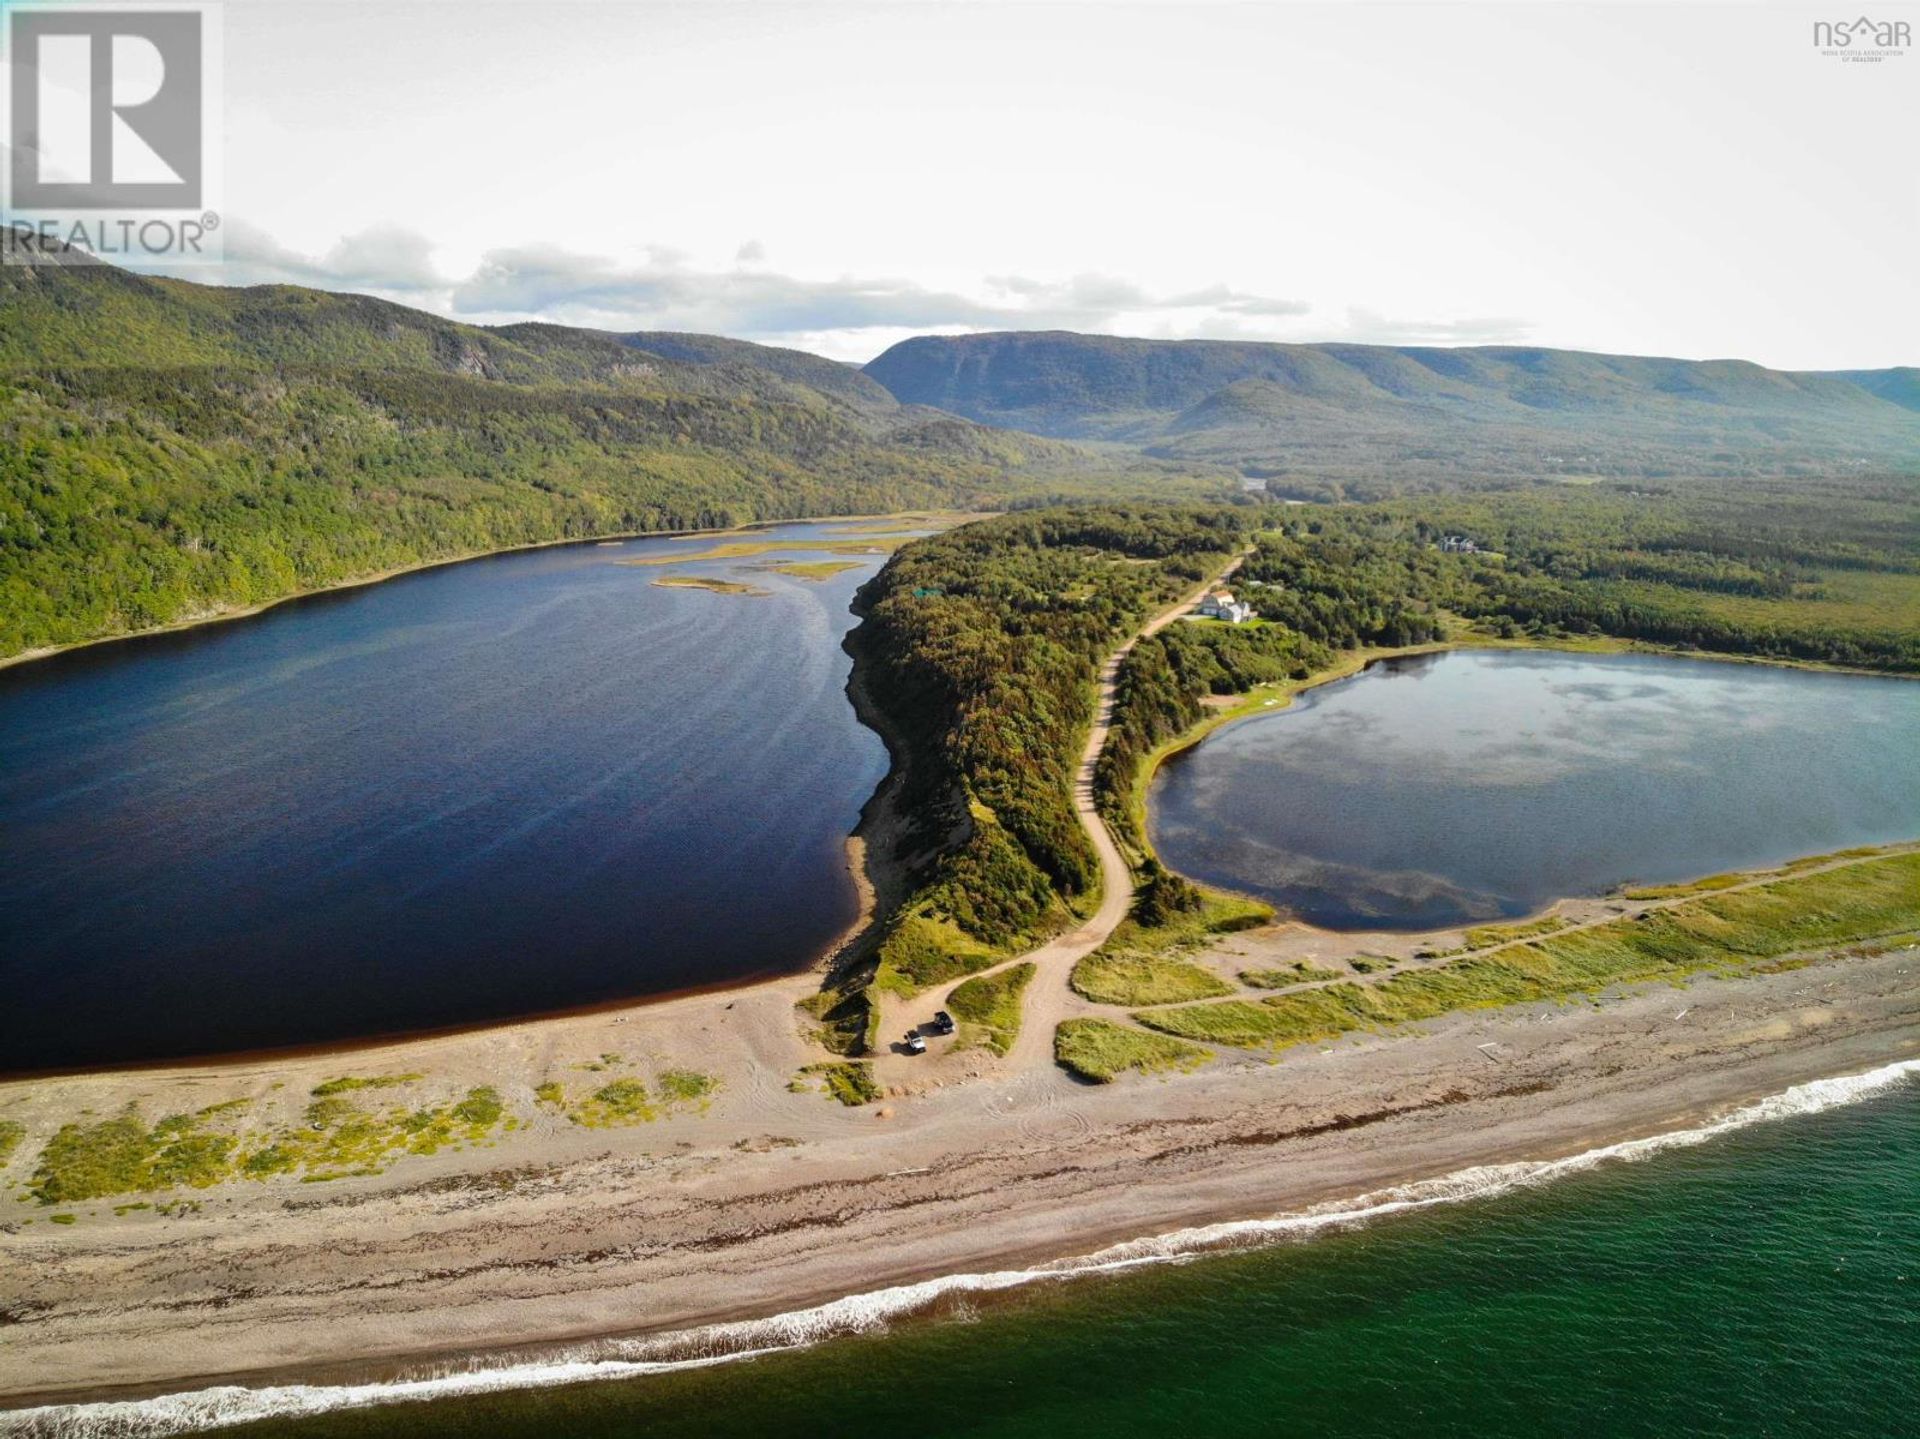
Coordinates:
x,y
223,1405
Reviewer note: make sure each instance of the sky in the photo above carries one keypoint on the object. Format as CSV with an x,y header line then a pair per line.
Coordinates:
x,y
1690,180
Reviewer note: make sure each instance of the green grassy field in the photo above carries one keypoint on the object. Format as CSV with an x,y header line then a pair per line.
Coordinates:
x,y
988,1008
1871,900
1101,1051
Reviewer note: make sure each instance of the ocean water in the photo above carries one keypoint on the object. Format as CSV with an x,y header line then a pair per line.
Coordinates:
x,y
1481,785
512,785
1757,1277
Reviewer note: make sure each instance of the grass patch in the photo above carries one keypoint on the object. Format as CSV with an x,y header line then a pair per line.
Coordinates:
x,y
849,1081
1140,963
1300,972
1725,932
344,1085
1491,936
12,1131
988,1008
624,1101
124,1155
1101,1051
1678,891
551,1094
815,570
63,1219
747,549
702,582
686,1086
920,952
1120,978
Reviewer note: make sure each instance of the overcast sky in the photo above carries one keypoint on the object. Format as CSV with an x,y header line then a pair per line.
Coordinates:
x,y
1646,178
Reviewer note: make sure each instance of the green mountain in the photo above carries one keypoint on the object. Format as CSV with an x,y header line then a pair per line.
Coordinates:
x,y
174,451
1370,419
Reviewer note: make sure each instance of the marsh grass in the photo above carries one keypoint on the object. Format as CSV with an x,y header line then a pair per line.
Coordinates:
x,y
1721,932
747,549
347,1084
12,1131
1101,1051
849,1081
815,570
988,1008
1299,972
702,582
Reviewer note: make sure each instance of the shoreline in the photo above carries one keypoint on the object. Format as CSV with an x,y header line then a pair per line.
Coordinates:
x,y
1278,697
1244,1143
47,652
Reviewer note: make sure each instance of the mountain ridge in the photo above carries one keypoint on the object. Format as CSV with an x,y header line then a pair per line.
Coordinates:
x,y
1366,417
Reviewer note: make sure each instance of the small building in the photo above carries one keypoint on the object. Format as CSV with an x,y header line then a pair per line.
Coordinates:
x,y
1221,605
1458,545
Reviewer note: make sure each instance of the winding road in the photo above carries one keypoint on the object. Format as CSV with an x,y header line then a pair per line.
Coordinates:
x,y
1048,998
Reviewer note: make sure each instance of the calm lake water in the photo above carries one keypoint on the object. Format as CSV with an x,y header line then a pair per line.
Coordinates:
x,y
517,784
1766,1282
1479,785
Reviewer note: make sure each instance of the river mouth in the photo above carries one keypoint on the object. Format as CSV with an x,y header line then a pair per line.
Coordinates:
x,y
533,782
1439,790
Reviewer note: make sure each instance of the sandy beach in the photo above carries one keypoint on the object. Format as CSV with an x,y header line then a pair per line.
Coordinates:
x,y
772,1200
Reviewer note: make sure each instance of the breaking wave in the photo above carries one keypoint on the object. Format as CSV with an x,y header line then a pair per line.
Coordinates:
x,y
222,1405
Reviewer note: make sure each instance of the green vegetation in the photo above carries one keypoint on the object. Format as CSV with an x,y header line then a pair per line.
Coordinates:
x,y
174,451
981,646
91,1159
1100,1050
63,1219
815,570
1299,972
12,1131
1486,936
1348,422
1491,936
849,1081
701,582
746,549
988,1008
345,1085
1140,963
1723,932
624,1101
1109,977
1675,891
628,1100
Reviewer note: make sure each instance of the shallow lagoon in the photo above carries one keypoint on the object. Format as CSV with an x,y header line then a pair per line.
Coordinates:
x,y
522,783
1478,785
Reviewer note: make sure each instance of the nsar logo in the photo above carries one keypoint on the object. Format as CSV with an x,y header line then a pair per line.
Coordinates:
x,y
1862,39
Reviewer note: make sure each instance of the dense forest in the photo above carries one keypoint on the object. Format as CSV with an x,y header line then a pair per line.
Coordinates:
x,y
1816,573
980,647
171,451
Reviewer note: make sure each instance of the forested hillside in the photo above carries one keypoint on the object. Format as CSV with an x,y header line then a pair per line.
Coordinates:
x,y
980,647
170,451
1360,421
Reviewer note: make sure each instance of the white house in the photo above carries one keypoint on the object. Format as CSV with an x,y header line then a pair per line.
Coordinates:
x,y
1221,605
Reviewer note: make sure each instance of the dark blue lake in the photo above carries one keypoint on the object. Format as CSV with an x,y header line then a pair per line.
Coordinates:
x,y
518,784
1482,784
